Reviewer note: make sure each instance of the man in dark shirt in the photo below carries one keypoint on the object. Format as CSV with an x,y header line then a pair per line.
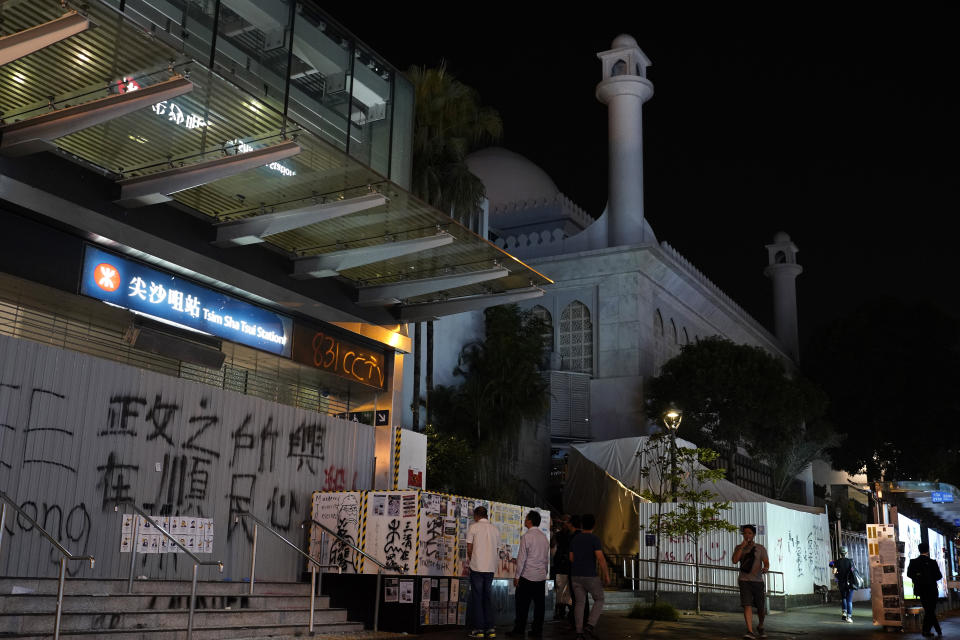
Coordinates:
x,y
925,573
561,565
586,554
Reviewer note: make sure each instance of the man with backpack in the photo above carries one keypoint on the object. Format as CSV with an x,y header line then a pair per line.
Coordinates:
x,y
754,562
846,583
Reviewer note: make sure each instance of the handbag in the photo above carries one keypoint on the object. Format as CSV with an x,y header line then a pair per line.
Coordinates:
x,y
856,579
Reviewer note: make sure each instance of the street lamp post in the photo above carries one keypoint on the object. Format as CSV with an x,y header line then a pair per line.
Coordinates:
x,y
671,419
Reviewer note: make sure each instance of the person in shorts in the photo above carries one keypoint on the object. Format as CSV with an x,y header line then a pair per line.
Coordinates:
x,y
754,562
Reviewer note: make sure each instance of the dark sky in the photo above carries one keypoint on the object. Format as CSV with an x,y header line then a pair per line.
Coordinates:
x,y
840,130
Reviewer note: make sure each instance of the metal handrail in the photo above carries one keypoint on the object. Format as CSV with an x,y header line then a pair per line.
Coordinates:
x,y
771,590
65,555
257,523
394,567
324,529
197,562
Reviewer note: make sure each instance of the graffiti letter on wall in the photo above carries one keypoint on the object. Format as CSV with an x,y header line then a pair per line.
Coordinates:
x,y
241,500
206,422
160,416
115,481
118,418
306,444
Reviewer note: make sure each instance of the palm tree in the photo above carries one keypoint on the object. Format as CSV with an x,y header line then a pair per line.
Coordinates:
x,y
449,123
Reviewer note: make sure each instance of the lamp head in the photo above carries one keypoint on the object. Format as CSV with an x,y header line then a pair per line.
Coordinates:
x,y
672,418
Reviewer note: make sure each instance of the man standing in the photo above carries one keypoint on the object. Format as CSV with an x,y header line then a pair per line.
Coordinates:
x,y
482,541
585,554
531,579
753,564
925,573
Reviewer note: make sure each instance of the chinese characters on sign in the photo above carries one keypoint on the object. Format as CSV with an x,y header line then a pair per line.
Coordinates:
x,y
159,294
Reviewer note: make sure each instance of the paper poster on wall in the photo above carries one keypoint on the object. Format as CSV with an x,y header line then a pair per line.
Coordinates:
x,y
508,518
436,553
406,591
391,529
339,511
885,578
391,590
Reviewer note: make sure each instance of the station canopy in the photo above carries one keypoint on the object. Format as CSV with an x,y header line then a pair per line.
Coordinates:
x,y
166,128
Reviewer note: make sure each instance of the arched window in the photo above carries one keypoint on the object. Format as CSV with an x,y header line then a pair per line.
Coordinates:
x,y
544,315
619,68
576,338
673,331
657,324
780,257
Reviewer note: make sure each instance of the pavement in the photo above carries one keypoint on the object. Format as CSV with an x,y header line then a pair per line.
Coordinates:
x,y
808,623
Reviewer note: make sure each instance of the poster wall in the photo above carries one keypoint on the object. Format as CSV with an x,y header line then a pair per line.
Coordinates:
x,y
886,586
390,525
340,512
439,534
908,532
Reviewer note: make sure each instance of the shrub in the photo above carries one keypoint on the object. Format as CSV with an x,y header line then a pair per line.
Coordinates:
x,y
659,611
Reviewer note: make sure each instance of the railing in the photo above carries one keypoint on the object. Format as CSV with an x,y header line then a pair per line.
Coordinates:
x,y
632,573
257,523
64,554
380,565
197,562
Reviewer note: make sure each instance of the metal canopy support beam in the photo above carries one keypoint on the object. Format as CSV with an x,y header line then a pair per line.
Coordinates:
x,y
396,291
34,134
331,264
157,187
254,230
43,35
434,310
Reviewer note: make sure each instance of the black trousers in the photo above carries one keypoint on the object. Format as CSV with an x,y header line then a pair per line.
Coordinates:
x,y
528,591
929,601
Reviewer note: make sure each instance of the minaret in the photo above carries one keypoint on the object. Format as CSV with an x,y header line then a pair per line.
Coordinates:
x,y
783,271
624,89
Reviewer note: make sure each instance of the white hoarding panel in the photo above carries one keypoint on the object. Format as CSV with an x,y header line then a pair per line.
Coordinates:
x,y
908,532
939,553
339,511
390,529
799,546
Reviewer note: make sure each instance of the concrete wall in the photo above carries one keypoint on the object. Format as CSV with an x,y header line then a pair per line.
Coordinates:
x,y
78,433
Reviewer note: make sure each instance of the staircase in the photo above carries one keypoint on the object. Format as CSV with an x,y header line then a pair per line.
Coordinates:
x,y
158,610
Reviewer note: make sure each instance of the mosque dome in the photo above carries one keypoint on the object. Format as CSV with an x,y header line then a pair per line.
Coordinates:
x,y
509,177
781,237
623,40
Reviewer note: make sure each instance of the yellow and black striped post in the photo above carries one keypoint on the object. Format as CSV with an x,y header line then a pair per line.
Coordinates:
x,y
396,459
416,559
363,530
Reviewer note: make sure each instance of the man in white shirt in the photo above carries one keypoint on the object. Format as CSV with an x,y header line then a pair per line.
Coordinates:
x,y
482,541
531,580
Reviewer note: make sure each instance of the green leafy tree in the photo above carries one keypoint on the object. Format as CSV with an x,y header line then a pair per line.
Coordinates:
x,y
501,387
738,395
449,123
681,475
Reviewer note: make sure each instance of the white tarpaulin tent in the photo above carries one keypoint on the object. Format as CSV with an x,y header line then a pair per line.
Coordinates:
x,y
602,478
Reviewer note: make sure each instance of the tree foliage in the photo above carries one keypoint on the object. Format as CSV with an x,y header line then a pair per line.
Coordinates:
x,y
501,387
449,123
681,475
892,372
737,395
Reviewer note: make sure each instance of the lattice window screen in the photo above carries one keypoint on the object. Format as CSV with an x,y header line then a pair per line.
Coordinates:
x,y
576,338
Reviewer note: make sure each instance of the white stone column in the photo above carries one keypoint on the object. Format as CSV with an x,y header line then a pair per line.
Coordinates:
x,y
783,271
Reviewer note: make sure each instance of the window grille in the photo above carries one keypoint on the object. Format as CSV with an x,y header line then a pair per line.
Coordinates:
x,y
576,338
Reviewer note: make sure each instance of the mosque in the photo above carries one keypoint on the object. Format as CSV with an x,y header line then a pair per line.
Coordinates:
x,y
622,302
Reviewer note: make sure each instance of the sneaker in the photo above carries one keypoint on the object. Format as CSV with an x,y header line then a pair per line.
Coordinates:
x,y
589,631
476,633
749,635
761,633
491,633
848,619
580,636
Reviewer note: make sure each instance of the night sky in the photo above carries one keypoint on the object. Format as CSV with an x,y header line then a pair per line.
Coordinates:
x,y
841,131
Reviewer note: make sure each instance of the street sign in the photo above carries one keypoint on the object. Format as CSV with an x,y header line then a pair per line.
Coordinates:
x,y
940,497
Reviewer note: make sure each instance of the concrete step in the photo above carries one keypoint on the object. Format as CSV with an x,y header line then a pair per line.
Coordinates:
x,y
36,623
347,630
98,587
32,603
620,600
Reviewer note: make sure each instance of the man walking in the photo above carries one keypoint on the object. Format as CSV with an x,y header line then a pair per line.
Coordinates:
x,y
843,567
925,573
482,541
561,564
586,554
753,564
531,579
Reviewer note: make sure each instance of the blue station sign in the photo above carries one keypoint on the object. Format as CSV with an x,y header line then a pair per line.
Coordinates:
x,y
129,284
941,496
